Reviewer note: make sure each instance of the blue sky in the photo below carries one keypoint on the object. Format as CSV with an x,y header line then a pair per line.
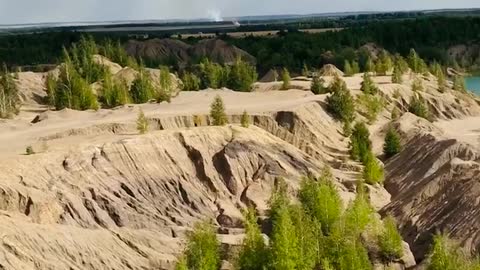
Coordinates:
x,y
35,11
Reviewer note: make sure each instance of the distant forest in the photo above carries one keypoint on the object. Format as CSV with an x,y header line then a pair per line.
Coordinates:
x,y
429,36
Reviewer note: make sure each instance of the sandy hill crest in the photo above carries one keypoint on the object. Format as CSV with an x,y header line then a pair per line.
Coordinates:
x,y
183,53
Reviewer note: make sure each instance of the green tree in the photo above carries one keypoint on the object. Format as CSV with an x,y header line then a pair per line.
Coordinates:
x,y
358,215
320,199
360,145
165,89
445,255
203,248
370,106
390,241
51,86
213,75
442,82
414,61
9,99
242,76
142,122
317,86
142,89
253,254
347,68
418,107
459,84
401,64
309,238
355,67
417,85
372,172
114,93
369,66
392,145
284,245
245,120
368,86
190,82
217,112
286,79
384,63
181,264
341,103
397,75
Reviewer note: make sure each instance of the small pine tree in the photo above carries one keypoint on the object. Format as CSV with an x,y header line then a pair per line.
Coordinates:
x,y
360,144
317,86
390,241
442,82
142,89
284,241
397,75
417,85
369,66
355,67
142,123
392,145
29,150
370,106
341,103
203,248
445,255
50,85
368,86
217,112
165,89
190,82
245,121
459,84
347,68
253,254
418,107
285,79
372,172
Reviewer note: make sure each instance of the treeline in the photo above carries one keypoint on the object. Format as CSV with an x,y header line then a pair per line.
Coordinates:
x,y
430,36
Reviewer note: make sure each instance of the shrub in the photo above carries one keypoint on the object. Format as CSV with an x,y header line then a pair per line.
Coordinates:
x,y
369,66
142,89
360,145
213,75
286,79
253,254
217,112
392,145
114,93
368,86
371,106
165,89
284,241
51,85
358,215
9,100
190,82
397,75
418,107
317,86
142,122
445,255
242,76
347,68
202,250
355,67
372,171
309,238
395,113
321,201
417,85
181,264
29,150
459,84
390,241
245,121
341,103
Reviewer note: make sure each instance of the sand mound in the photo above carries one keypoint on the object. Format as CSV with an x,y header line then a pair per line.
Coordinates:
x,y
113,67
330,70
183,53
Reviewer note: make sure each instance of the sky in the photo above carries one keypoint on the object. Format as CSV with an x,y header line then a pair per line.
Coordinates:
x,y
39,11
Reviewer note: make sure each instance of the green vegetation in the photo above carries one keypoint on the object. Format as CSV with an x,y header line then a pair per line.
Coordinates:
x,y
417,85
459,84
29,150
142,89
360,145
397,75
383,64
117,54
164,92
242,76
341,103
245,120
372,171
190,82
202,250
254,253
392,145
142,122
217,112
285,79
114,93
370,106
347,69
9,99
447,255
419,107
390,241
317,87
368,86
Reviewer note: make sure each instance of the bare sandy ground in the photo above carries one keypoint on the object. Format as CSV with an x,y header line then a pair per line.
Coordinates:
x,y
465,130
16,134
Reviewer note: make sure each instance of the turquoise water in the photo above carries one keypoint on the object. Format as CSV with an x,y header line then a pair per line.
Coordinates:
x,y
473,84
